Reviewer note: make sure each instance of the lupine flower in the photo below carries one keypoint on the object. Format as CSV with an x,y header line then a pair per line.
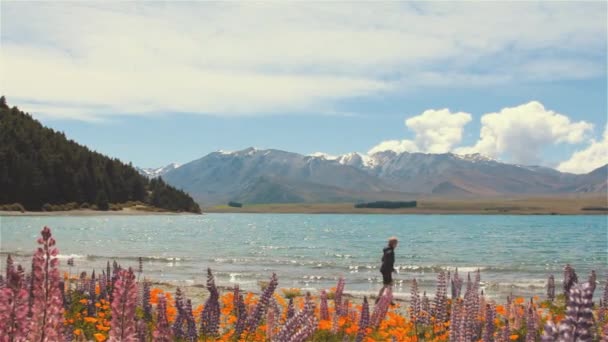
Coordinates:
x,y
47,308
530,325
381,308
551,288
506,331
13,306
338,297
425,309
441,299
191,334
260,309
180,320
103,286
290,309
210,316
301,326
241,316
270,322
490,316
324,310
9,266
146,302
455,320
163,331
414,302
570,279
142,331
123,307
592,279
456,285
550,333
140,266
364,321
577,324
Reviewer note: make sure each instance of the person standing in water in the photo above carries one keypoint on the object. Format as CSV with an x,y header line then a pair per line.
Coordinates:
x,y
388,265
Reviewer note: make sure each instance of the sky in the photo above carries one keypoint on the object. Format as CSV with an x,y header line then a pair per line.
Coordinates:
x,y
156,82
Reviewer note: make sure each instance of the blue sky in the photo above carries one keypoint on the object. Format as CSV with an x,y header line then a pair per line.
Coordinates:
x,y
154,83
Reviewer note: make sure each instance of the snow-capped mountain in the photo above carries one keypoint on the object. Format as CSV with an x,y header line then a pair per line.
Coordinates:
x,y
266,175
157,172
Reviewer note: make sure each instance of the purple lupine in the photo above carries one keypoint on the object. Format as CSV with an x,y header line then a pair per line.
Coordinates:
x,y
301,326
550,333
506,331
91,286
425,309
180,320
593,279
108,273
578,323
270,321
162,333
146,302
338,297
260,309
309,325
9,266
236,291
551,288
455,320
324,310
210,316
488,334
123,307
456,284
191,334
103,286
441,299
47,308
14,306
241,316
364,321
290,309
140,266
414,302
530,325
381,308
570,278
470,310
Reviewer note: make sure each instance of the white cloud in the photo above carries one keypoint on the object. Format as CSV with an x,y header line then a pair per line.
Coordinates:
x,y
435,131
520,133
588,159
246,58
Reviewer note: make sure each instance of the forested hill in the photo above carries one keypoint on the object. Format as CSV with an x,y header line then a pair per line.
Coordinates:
x,y
39,166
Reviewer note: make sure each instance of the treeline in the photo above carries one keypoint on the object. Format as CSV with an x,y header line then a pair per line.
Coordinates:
x,y
387,205
40,166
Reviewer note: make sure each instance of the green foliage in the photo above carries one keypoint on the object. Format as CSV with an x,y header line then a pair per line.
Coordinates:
x,y
41,166
235,204
387,205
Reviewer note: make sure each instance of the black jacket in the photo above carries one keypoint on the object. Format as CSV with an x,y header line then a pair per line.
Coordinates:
x,y
388,260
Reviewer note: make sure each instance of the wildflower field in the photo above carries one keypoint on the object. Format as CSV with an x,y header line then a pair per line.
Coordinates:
x,y
116,305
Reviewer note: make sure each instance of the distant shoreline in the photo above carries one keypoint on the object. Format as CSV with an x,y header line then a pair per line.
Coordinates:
x,y
89,212
490,206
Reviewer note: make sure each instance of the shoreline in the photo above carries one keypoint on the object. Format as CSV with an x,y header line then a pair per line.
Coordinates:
x,y
89,212
586,205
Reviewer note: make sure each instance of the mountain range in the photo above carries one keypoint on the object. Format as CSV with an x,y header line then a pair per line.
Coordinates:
x,y
274,176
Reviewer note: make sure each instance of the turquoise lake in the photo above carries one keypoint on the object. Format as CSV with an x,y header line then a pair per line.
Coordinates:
x,y
515,253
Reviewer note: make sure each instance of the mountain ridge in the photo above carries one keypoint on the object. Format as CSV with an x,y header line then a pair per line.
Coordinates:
x,y
274,176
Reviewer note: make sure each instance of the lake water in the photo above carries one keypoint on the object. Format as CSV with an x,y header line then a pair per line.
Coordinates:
x,y
515,253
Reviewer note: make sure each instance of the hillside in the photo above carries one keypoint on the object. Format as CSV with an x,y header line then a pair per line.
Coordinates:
x,y
274,176
39,166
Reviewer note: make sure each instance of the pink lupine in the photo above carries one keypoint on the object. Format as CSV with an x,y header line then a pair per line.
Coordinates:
x,y
123,307
381,308
47,306
14,306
